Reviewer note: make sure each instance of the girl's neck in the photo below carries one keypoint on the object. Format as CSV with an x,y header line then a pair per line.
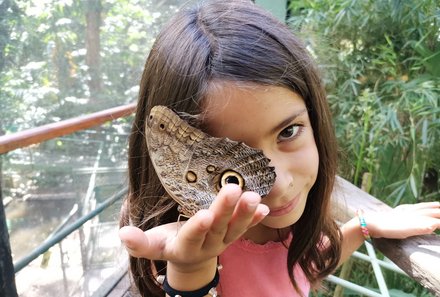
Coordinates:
x,y
261,234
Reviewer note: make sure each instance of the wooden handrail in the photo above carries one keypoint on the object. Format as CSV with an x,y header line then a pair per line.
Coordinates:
x,y
418,256
39,134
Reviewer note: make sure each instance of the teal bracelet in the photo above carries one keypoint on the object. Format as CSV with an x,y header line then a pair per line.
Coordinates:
x,y
363,224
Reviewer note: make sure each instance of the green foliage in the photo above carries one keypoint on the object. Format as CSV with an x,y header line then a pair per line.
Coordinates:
x,y
381,66
381,61
45,74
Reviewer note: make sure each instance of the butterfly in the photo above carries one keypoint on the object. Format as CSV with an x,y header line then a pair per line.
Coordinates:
x,y
193,166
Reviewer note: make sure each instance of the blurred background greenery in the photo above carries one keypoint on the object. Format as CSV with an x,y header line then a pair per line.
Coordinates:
x,y
61,59
381,64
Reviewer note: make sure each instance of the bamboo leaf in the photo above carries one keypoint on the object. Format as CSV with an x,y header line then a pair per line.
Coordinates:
x,y
412,183
425,132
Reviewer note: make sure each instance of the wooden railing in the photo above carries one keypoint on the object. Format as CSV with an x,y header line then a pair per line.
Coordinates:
x,y
53,130
418,256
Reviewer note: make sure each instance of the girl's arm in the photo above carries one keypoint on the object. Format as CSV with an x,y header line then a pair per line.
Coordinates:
x,y
352,238
401,222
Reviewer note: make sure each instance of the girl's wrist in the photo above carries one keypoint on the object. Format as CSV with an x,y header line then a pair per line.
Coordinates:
x,y
191,277
207,290
370,220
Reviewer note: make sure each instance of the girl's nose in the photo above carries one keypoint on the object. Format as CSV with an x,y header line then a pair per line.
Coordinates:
x,y
284,179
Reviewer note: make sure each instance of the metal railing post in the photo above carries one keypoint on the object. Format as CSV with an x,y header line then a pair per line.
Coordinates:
x,y
63,233
7,275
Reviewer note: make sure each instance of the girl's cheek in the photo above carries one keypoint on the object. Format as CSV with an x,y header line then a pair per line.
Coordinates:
x,y
306,160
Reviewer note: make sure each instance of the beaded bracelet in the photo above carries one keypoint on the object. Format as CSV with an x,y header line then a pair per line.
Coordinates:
x,y
208,289
364,229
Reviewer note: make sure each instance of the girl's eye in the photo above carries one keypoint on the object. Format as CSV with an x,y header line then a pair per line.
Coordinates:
x,y
290,133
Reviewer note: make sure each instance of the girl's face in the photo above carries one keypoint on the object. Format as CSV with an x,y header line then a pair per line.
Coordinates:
x,y
275,120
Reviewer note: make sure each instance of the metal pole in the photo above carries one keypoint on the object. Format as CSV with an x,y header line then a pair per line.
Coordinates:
x,y
63,268
7,275
47,244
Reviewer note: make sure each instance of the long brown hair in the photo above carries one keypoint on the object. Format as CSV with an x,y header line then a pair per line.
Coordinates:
x,y
230,41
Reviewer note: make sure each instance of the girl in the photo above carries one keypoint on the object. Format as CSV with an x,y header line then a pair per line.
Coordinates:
x,y
251,80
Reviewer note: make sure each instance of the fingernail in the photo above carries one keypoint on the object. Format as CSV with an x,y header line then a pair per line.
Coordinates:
x,y
265,211
126,243
253,203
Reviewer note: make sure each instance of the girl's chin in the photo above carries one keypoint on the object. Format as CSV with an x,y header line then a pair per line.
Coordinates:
x,y
285,220
268,231
272,227
278,223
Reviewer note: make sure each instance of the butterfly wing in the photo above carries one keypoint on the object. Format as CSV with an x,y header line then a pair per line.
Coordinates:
x,y
193,166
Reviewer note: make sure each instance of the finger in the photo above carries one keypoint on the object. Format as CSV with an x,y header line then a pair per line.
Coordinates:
x,y
148,245
426,225
261,212
430,212
223,207
432,204
421,205
193,233
243,216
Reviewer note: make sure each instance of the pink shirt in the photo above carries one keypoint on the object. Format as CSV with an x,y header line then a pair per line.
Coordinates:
x,y
252,270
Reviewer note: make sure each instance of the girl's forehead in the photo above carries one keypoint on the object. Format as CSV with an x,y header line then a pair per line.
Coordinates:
x,y
225,97
232,110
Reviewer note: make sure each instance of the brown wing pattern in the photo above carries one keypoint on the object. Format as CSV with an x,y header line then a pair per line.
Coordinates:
x,y
193,166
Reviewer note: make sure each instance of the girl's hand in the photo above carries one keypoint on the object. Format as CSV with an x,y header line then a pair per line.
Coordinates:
x,y
192,247
405,220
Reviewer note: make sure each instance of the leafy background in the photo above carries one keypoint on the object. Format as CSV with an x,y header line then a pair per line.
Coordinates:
x,y
381,65
381,61
45,75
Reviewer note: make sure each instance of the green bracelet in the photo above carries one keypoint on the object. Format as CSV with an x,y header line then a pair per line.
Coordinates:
x,y
363,223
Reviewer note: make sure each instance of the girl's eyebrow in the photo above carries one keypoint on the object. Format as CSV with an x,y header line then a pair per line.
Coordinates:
x,y
288,120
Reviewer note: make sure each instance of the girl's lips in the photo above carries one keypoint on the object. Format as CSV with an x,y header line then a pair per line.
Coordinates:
x,y
276,212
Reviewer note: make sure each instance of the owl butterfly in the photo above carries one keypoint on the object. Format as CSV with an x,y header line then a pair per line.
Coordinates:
x,y
193,166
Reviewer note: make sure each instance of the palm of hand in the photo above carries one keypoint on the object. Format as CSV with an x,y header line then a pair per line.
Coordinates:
x,y
204,236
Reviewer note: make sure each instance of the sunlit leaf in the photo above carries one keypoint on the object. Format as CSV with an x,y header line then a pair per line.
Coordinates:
x,y
413,186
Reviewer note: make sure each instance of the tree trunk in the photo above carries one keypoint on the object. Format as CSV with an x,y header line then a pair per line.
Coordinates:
x,y
7,275
93,23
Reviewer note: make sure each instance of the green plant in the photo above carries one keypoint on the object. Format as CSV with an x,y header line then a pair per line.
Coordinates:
x,y
381,67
